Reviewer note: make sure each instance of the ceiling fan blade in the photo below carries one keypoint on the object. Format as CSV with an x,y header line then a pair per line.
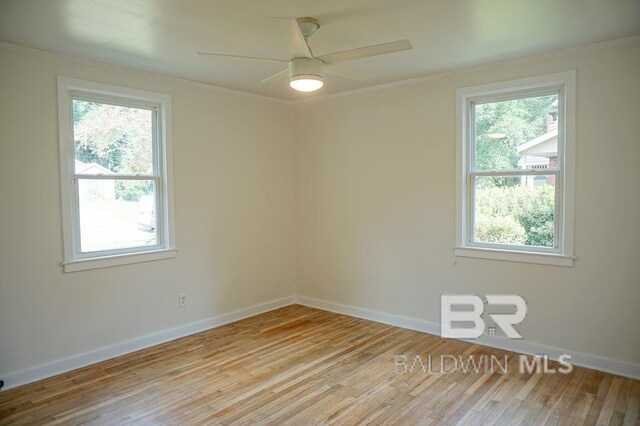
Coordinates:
x,y
278,76
252,58
297,43
367,51
348,73
298,46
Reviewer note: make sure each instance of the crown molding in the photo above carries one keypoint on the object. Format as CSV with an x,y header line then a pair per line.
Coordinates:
x,y
383,86
108,66
472,69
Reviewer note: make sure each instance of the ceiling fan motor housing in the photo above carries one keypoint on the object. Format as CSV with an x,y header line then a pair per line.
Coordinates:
x,y
306,68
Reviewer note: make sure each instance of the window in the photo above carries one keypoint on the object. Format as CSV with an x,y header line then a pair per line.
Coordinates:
x,y
515,170
115,174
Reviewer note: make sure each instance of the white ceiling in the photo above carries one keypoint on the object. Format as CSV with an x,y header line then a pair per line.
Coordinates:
x,y
163,35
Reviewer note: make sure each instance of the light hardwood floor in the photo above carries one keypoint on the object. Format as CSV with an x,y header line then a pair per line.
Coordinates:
x,y
299,365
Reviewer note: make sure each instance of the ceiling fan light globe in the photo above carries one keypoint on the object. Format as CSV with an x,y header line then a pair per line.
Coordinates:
x,y
306,83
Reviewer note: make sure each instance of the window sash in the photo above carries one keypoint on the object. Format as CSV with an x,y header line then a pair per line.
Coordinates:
x,y
510,95
471,145
557,222
156,142
156,177
471,172
115,176
88,96
519,172
77,230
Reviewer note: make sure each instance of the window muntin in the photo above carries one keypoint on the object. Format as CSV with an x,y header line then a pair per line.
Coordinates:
x,y
515,182
115,159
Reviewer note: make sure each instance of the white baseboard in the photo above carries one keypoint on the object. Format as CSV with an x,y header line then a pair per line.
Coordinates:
x,y
64,365
607,365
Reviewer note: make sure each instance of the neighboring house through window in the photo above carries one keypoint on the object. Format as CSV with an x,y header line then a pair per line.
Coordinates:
x,y
515,180
115,159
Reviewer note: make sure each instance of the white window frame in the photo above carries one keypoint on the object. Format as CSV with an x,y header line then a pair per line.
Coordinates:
x,y
562,254
74,259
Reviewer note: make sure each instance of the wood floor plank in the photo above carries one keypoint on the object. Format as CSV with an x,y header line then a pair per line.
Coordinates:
x,y
299,365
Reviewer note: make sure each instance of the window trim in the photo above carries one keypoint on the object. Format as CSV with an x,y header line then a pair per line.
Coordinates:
x,y
74,259
464,247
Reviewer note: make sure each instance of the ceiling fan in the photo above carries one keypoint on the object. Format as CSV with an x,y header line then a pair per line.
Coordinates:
x,y
306,71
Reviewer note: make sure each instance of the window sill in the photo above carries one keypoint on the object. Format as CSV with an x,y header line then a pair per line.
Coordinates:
x,y
117,260
515,256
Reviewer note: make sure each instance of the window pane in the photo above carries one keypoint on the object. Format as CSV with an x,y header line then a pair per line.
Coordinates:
x,y
516,210
116,214
517,134
112,139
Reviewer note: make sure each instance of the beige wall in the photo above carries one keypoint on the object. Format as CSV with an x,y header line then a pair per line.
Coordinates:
x,y
346,199
375,206
234,217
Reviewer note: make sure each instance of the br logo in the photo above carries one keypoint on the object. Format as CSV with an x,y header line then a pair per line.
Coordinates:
x,y
449,316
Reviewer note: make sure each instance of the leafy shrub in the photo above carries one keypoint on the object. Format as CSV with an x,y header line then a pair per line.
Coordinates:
x,y
132,190
499,229
515,215
537,216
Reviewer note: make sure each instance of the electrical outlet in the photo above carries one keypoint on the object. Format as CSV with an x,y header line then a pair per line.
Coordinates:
x,y
182,300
